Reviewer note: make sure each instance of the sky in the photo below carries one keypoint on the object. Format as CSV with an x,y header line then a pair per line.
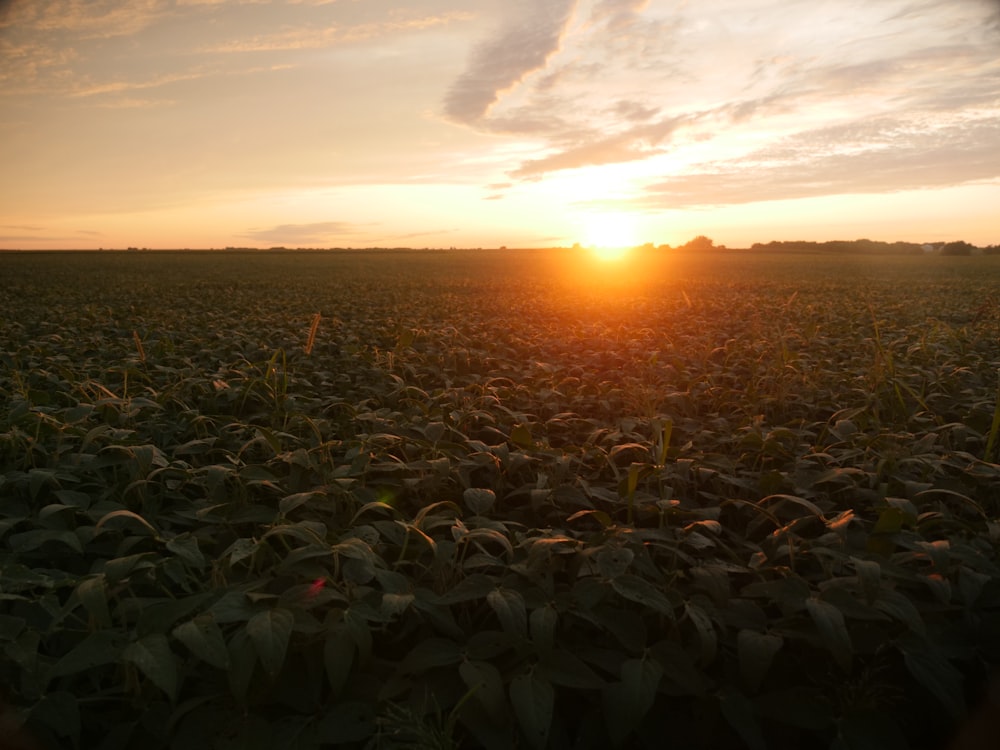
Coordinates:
x,y
486,123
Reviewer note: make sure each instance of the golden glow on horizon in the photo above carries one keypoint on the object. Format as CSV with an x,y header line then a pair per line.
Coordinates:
x,y
609,235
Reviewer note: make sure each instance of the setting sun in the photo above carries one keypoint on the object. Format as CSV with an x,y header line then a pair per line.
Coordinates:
x,y
609,236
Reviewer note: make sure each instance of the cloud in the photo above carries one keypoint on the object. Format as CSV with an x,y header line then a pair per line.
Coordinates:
x,y
882,156
640,142
318,233
309,37
522,45
85,18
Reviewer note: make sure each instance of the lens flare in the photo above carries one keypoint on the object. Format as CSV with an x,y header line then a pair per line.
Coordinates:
x,y
609,236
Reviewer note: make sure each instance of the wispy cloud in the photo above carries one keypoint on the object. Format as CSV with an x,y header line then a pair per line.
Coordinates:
x,y
85,18
887,155
522,45
310,37
837,84
323,232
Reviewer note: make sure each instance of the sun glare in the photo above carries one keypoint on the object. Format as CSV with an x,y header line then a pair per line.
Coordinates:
x,y
609,236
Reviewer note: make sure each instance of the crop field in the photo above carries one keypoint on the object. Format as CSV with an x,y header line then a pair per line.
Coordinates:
x,y
523,499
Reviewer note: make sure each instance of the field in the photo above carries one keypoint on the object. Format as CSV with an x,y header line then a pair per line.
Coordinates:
x,y
497,499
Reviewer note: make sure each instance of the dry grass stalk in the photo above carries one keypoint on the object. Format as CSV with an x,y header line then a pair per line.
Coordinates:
x,y
138,346
313,327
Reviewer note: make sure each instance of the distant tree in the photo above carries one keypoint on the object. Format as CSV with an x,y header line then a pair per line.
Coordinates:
x,y
991,250
700,243
957,248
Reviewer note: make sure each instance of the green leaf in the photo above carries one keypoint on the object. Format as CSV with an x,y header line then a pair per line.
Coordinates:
x,y
739,713
561,667
232,606
152,655
430,653
869,730
240,550
543,622
681,676
28,541
486,684
346,723
479,500
614,561
932,670
160,615
642,592
899,607
120,567
242,661
290,502
832,630
270,632
705,629
510,609
59,712
10,627
628,701
756,653
520,436
96,650
203,637
338,656
802,707
186,548
93,595
534,702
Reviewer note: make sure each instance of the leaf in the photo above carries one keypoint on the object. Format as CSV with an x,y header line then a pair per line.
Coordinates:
x,y
833,630
93,595
185,546
242,660
706,631
232,606
627,702
152,655
756,653
614,561
543,622
338,656
510,609
431,653
899,607
477,586
642,592
58,711
126,514
534,702
479,500
395,604
739,713
520,436
203,637
290,502
270,632
486,684
96,650
346,723
562,667
932,670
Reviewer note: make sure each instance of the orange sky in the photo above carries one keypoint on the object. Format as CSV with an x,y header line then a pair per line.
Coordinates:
x,y
439,123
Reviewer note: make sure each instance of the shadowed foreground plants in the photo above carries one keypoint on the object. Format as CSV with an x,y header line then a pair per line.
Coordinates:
x,y
726,509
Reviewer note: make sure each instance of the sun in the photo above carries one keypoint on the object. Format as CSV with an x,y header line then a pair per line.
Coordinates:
x,y
609,235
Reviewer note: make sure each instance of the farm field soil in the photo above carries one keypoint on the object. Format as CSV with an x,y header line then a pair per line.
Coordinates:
x,y
497,499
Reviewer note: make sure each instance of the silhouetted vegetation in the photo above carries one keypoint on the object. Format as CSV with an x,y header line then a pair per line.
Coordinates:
x,y
841,246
